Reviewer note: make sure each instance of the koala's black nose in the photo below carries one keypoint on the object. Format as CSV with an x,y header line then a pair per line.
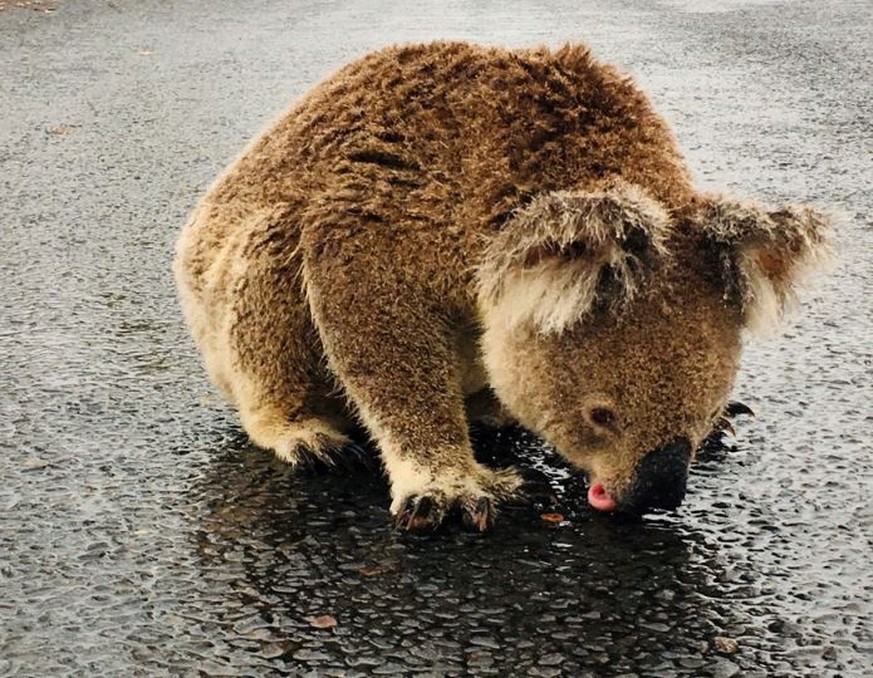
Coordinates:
x,y
661,479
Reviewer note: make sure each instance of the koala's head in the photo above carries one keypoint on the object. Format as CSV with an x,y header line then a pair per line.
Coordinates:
x,y
613,329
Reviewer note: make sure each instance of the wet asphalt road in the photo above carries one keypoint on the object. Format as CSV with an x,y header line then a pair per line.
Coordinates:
x,y
140,534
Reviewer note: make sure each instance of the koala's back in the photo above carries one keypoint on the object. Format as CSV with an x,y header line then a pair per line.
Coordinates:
x,y
451,133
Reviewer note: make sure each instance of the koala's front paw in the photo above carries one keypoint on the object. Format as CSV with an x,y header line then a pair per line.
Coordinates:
x,y
426,513
470,499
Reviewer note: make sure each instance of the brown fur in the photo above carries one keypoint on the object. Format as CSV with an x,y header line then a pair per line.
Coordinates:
x,y
438,220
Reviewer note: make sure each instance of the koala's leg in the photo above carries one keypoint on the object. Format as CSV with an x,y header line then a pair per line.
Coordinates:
x,y
245,305
281,387
399,366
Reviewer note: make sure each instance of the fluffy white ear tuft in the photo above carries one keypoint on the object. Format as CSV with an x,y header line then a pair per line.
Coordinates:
x,y
766,254
566,251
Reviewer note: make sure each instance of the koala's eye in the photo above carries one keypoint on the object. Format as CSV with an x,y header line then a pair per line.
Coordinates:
x,y
603,416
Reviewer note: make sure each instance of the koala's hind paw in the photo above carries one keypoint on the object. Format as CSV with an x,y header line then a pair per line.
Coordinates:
x,y
313,444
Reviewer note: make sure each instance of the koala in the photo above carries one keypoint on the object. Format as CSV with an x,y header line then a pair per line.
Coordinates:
x,y
445,233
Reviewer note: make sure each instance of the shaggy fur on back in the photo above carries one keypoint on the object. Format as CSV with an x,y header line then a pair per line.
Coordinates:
x,y
459,131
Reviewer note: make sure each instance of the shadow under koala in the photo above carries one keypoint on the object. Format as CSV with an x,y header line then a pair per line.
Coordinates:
x,y
282,556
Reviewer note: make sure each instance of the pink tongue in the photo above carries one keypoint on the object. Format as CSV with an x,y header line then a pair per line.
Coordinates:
x,y
600,499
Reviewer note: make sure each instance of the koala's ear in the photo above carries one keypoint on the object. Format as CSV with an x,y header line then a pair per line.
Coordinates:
x,y
565,251
764,254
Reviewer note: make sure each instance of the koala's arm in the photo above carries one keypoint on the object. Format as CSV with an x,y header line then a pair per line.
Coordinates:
x,y
395,355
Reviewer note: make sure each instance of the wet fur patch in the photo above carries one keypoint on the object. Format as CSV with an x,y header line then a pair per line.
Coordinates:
x,y
567,251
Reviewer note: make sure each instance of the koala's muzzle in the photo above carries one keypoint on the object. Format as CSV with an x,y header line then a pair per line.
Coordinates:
x,y
660,480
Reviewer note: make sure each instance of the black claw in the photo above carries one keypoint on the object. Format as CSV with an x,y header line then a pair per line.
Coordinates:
x,y
724,425
360,457
334,458
306,460
735,408
478,514
419,514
